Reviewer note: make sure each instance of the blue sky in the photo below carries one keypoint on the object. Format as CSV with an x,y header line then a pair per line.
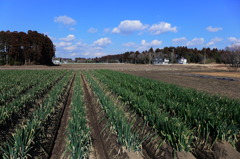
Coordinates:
x,y
96,28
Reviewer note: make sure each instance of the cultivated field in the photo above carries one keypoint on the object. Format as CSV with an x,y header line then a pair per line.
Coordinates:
x,y
106,111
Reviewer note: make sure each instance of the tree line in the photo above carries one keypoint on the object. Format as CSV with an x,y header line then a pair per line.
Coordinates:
x,y
18,48
193,55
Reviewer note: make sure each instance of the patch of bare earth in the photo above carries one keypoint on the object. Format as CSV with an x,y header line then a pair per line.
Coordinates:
x,y
220,74
212,86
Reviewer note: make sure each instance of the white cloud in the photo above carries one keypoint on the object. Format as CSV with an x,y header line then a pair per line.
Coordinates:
x,y
80,44
146,45
234,39
99,54
102,42
74,54
211,29
195,42
153,43
52,38
62,44
162,27
70,48
70,37
178,41
65,20
214,41
235,43
129,26
235,46
129,44
107,30
92,30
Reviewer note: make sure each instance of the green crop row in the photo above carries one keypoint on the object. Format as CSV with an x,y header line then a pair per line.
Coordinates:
x,y
210,117
18,104
12,79
124,128
28,82
172,129
78,133
22,141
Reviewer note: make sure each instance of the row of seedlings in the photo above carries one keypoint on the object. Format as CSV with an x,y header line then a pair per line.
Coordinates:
x,y
152,143
30,80
20,102
213,117
124,129
78,132
11,78
25,137
172,129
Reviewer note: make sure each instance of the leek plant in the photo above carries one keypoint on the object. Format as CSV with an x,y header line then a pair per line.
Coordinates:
x,y
78,133
126,136
211,117
24,138
20,102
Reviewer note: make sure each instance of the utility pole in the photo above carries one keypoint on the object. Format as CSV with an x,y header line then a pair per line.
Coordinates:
x,y
172,54
149,57
204,59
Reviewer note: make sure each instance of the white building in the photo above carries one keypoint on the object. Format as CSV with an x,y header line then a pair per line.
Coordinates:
x,y
160,61
182,61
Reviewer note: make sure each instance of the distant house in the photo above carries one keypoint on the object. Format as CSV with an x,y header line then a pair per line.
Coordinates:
x,y
160,61
56,60
80,60
182,60
66,60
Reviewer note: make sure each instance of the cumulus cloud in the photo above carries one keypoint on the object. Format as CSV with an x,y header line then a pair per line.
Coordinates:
x,y
129,44
235,43
153,43
162,27
212,29
80,44
92,30
102,42
178,41
62,44
146,45
107,30
65,20
70,37
235,46
71,48
214,41
234,39
129,26
195,42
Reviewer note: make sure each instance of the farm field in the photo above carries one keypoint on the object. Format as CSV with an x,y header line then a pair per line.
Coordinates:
x,y
106,111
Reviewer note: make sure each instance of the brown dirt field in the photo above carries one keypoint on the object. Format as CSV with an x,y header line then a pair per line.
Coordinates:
x,y
219,74
175,74
129,67
213,86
